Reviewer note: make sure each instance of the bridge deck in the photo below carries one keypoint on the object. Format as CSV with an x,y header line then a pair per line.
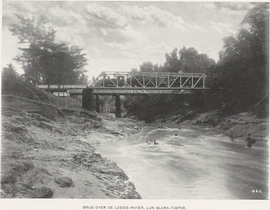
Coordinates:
x,y
61,87
140,91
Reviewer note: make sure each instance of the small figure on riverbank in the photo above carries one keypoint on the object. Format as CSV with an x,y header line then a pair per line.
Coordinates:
x,y
250,141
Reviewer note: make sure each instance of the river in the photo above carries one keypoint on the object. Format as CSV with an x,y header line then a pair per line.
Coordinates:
x,y
190,162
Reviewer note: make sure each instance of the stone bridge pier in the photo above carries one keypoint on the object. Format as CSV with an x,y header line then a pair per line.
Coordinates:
x,y
90,103
117,106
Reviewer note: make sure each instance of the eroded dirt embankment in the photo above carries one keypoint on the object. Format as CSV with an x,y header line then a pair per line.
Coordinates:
x,y
236,126
49,152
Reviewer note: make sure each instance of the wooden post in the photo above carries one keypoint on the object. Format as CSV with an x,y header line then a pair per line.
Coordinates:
x,y
88,99
117,106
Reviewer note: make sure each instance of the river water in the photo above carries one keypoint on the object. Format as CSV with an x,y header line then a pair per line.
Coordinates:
x,y
191,163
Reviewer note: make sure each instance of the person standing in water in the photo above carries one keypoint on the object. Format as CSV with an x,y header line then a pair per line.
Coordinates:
x,y
161,123
250,141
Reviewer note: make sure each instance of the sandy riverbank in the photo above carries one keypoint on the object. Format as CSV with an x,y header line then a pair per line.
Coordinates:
x,y
49,152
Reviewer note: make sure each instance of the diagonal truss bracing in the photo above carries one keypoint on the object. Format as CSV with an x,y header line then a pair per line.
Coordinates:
x,y
145,80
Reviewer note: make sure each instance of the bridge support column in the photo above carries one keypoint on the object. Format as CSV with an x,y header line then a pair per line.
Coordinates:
x,y
97,104
117,106
88,99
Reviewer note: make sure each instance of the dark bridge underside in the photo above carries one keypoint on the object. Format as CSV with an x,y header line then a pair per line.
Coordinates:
x,y
140,91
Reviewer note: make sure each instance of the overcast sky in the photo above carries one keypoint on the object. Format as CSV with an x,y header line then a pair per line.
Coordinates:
x,y
119,36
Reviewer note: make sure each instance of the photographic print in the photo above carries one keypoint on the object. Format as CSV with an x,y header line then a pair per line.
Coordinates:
x,y
141,100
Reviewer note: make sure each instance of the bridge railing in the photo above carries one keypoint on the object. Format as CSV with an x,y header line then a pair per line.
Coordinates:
x,y
63,90
61,87
150,80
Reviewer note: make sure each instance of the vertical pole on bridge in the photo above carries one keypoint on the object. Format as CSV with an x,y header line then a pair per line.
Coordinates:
x,y
203,82
117,106
97,104
88,99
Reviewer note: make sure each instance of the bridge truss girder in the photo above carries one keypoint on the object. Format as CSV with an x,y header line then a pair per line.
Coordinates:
x,y
145,80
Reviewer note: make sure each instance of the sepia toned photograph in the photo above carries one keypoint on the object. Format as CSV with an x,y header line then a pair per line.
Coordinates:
x,y
141,100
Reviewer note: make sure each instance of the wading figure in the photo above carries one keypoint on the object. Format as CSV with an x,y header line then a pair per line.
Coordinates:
x,y
231,136
250,141
161,123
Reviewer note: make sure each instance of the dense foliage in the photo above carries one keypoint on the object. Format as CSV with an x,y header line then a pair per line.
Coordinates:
x,y
158,106
9,72
188,61
243,70
43,60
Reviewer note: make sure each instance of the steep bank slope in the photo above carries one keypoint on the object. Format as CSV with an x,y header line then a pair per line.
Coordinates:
x,y
236,126
48,150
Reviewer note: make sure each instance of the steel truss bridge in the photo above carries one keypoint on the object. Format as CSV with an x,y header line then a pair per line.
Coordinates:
x,y
126,83
131,83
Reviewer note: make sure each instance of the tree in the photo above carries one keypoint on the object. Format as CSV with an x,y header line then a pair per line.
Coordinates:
x,y
148,67
193,62
244,61
35,32
172,64
79,61
83,80
188,61
9,72
258,20
29,61
61,65
45,61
